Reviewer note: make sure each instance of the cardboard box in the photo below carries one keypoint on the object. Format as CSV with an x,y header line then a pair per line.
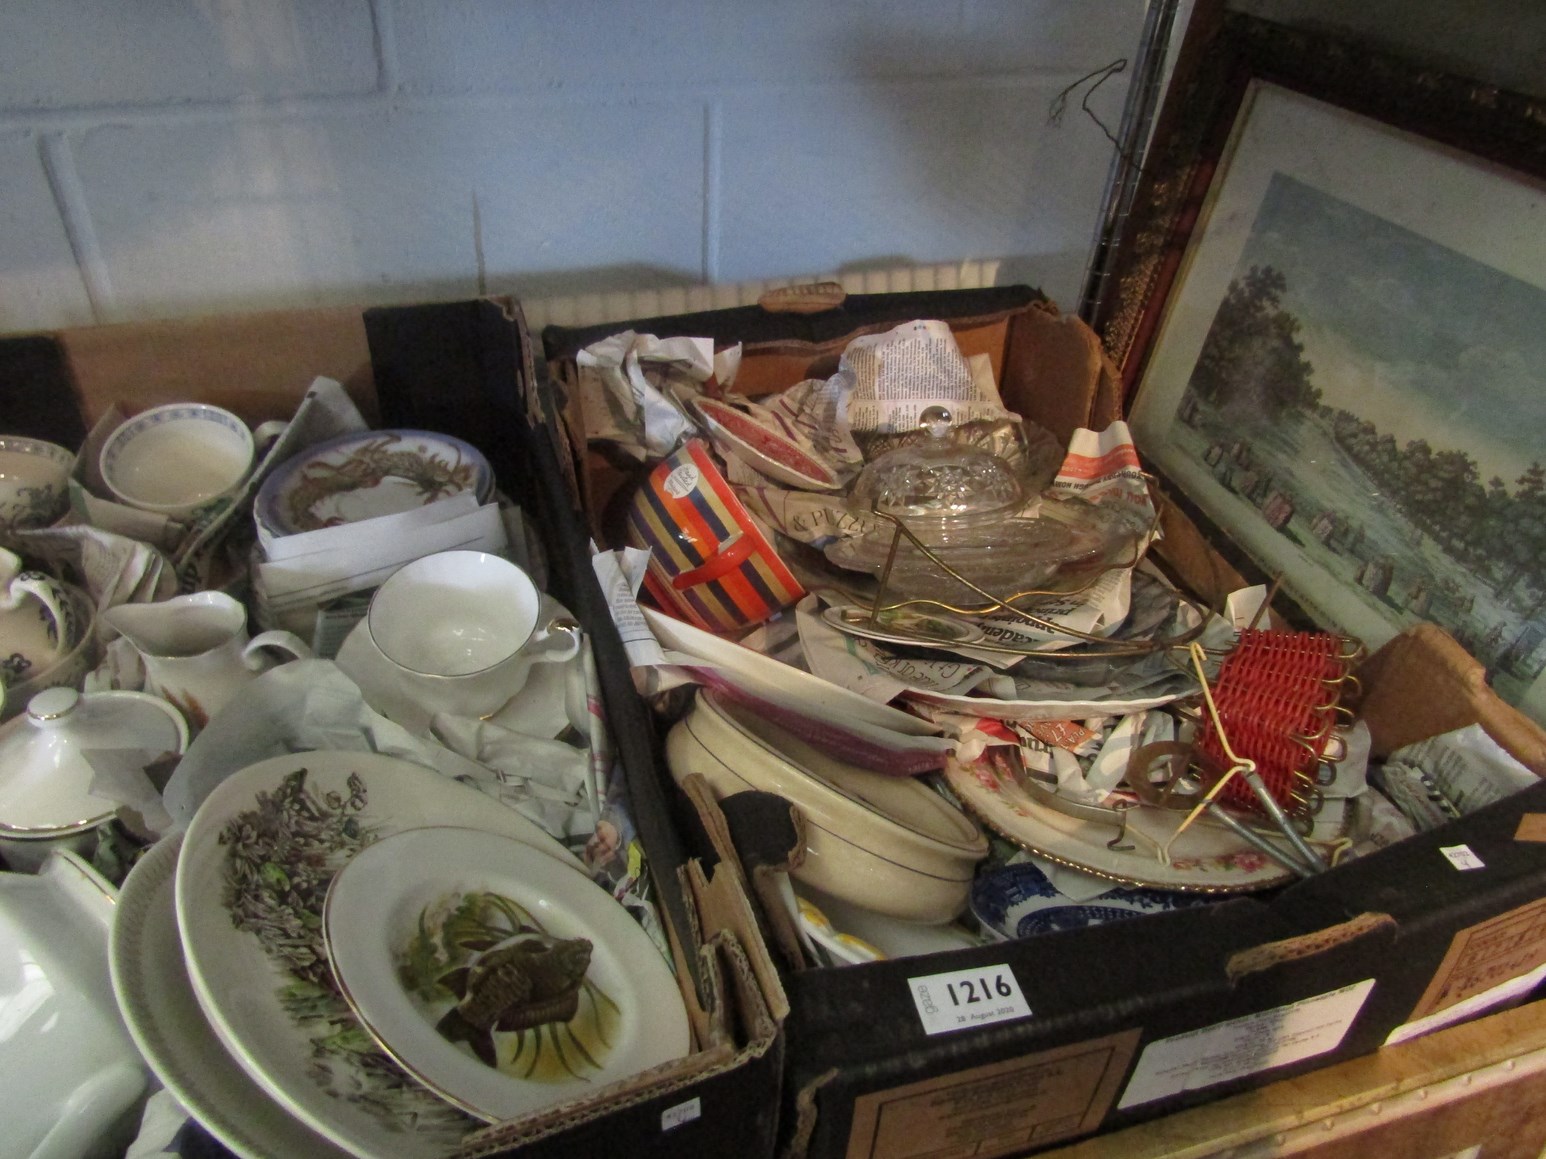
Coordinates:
x,y
466,368
1477,1091
1122,1023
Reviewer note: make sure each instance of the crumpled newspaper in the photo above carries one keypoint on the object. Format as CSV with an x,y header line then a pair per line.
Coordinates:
x,y
311,705
627,385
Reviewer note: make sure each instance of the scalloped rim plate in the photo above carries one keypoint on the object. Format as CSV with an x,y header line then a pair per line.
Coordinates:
x,y
1204,859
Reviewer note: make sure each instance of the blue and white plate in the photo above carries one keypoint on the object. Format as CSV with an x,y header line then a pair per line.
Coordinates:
x,y
1017,901
366,474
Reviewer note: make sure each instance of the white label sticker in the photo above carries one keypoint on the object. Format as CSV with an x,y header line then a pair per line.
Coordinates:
x,y
963,999
681,1113
1461,857
682,482
1246,1045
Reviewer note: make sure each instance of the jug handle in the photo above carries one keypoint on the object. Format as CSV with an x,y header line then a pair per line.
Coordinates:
x,y
279,639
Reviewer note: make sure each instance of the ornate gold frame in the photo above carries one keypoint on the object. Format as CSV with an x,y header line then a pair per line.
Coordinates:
x,y
1480,119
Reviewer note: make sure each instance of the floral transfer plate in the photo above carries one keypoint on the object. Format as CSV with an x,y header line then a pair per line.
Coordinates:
x,y
1205,858
366,474
496,977
255,866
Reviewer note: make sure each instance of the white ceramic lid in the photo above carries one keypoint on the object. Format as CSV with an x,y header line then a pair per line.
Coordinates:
x,y
45,776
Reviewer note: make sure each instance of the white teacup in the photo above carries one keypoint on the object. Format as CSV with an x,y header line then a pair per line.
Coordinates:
x,y
461,629
177,459
34,482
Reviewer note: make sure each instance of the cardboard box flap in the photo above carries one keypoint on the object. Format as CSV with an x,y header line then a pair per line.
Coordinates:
x,y
722,903
1416,883
256,365
752,325
1422,683
37,396
1074,980
652,1100
1056,374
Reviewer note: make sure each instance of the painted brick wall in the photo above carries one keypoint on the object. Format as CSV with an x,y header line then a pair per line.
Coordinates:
x,y
169,157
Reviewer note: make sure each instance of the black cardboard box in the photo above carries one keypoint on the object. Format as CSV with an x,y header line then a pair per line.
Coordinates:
x,y
1127,1021
466,368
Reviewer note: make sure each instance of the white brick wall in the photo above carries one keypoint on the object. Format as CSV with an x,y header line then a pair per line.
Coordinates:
x,y
168,157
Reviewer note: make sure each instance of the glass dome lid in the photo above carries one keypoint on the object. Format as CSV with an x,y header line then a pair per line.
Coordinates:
x,y
938,480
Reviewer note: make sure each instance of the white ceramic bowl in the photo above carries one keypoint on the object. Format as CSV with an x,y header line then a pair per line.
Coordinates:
x,y
34,482
176,459
888,844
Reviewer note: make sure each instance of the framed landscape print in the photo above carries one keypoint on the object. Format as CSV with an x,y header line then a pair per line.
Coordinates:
x,y
1342,362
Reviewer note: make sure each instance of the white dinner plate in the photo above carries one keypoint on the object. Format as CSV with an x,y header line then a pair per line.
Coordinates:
x,y
496,977
1206,858
157,1001
260,854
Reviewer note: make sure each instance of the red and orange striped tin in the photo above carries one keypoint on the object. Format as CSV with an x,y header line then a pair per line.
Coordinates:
x,y
709,561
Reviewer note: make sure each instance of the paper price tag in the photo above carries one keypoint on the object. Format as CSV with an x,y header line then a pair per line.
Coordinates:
x,y
673,1117
964,999
1461,857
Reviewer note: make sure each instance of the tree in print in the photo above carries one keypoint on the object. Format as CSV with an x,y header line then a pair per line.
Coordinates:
x,y
1251,357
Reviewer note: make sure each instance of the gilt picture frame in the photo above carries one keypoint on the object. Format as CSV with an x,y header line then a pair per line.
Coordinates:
x,y
1329,320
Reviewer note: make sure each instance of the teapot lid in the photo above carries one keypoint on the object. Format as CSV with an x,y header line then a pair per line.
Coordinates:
x,y
938,478
45,775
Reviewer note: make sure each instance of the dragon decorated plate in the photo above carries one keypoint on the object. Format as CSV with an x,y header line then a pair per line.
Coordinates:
x,y
368,474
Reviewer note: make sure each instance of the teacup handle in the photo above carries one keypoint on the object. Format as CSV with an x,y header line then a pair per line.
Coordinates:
x,y
52,597
264,435
558,639
279,639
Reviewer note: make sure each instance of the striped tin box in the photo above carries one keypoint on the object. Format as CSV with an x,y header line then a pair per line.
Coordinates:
x,y
709,561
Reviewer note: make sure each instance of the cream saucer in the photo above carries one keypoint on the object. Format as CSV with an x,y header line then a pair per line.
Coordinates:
x,y
540,709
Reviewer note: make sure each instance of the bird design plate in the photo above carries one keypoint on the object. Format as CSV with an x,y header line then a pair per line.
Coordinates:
x,y
493,975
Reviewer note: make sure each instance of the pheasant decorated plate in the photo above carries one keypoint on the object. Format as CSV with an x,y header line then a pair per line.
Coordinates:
x,y
495,976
